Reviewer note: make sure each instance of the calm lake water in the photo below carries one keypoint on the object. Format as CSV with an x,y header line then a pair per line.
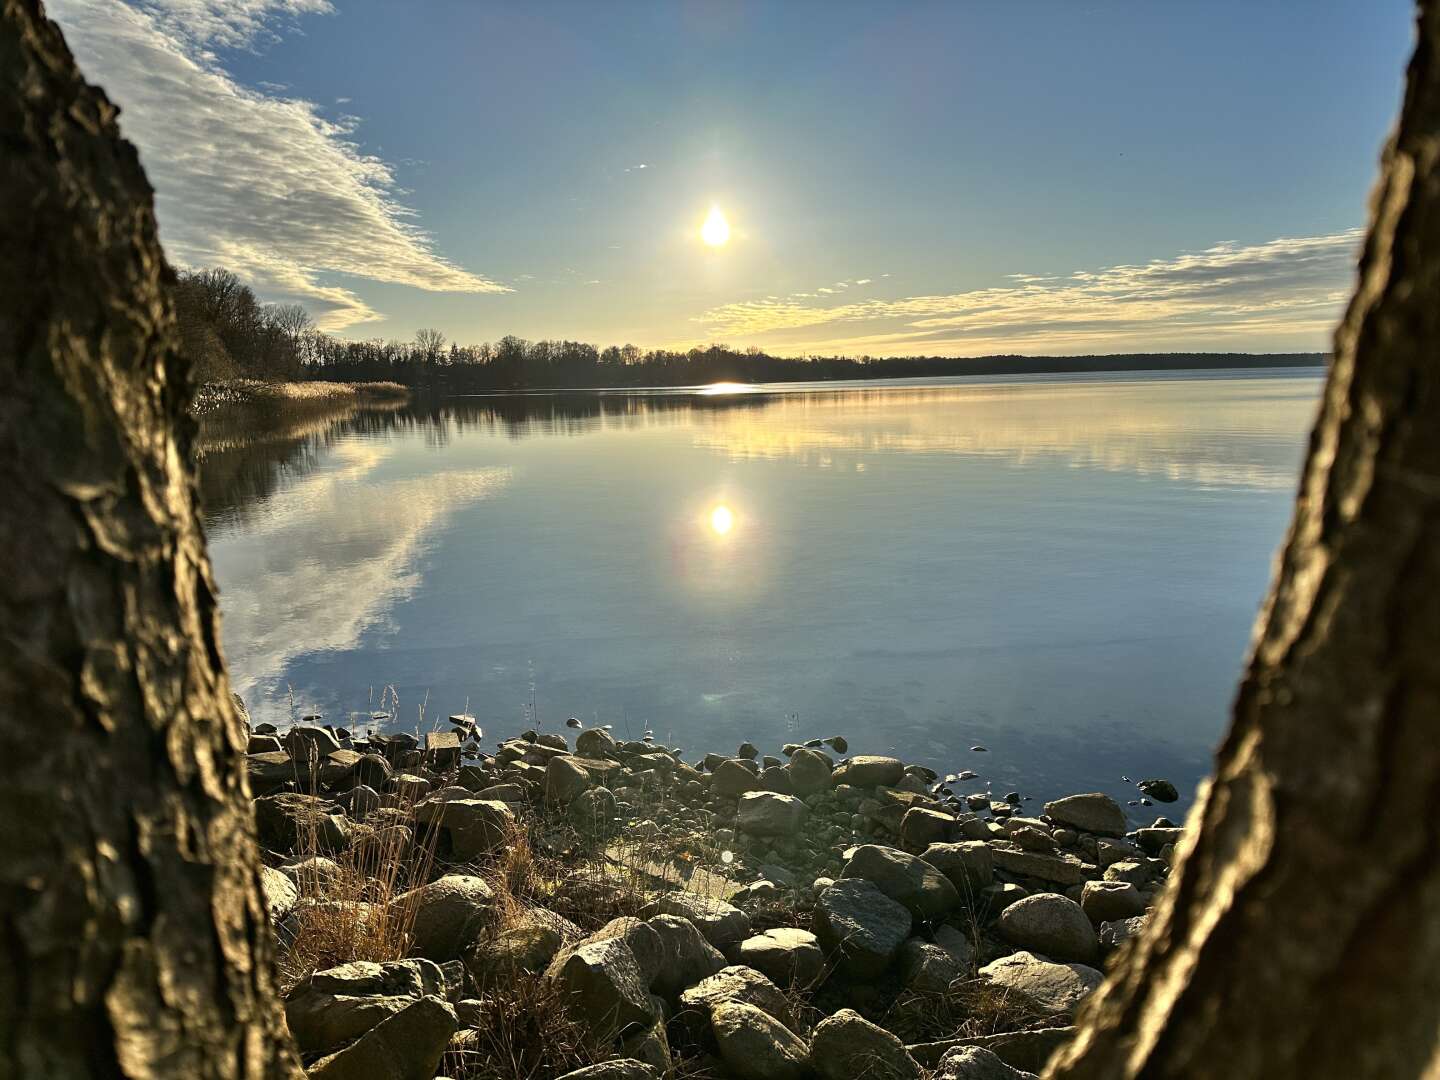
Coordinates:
x,y
1063,569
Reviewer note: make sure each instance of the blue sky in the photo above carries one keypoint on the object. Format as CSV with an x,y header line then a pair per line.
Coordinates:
x,y
957,178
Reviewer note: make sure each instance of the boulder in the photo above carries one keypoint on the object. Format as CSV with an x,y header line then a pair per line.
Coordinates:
x,y
785,955
1154,840
593,812
721,924
603,984
1159,790
470,827
1051,924
268,772
289,822
975,1063
968,865
405,1046
957,945
1103,901
1056,869
738,984
755,1045
337,1006
280,893
595,743
313,876
528,944
565,780
732,779
766,813
686,958
927,967
924,890
309,741
1055,988
1093,812
1028,1051
449,915
846,1045
1117,931
857,921
809,771
921,827
868,771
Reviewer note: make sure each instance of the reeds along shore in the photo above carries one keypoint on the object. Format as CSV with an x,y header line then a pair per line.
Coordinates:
x,y
229,393
611,910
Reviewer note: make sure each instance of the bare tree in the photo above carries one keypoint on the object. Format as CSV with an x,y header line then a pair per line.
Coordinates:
x,y
135,942
430,342
1300,935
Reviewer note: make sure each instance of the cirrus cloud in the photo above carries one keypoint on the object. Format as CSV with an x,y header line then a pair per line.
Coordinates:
x,y
1285,290
261,184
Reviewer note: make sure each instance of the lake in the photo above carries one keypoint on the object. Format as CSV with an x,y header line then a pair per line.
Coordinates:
x,y
1063,569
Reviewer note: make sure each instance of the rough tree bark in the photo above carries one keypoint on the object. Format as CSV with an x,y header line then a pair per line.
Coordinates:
x,y
134,939
1300,935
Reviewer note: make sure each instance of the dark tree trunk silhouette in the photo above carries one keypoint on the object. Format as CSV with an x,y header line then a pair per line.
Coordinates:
x,y
1300,935
134,939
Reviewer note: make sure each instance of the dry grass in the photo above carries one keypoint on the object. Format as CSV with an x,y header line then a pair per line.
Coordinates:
x,y
523,1031
364,908
970,1008
242,392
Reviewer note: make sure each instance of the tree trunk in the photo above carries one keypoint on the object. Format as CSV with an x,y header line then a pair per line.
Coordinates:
x,y
135,941
1300,935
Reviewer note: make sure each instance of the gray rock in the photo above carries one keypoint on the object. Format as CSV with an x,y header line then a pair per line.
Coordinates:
x,y
405,1046
975,1063
766,813
924,890
1159,790
859,922
1109,852
269,771
1057,869
314,875
336,1006
846,1046
1094,812
565,780
957,945
594,812
1117,931
868,771
738,983
301,738
1136,873
732,779
649,1045
1103,901
289,822
1053,987
686,957
721,924
968,865
921,827
1154,840
280,893
450,913
603,984
595,743
809,771
784,955
926,967
1051,924
528,944
472,827
996,898
756,1046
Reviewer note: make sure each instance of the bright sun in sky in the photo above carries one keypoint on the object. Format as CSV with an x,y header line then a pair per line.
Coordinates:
x,y
721,519
716,230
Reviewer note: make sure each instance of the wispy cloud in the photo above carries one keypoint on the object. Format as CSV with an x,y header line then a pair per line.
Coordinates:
x,y
259,183
1286,289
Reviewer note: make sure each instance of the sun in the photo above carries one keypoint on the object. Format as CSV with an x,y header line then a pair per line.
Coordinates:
x,y
716,230
722,520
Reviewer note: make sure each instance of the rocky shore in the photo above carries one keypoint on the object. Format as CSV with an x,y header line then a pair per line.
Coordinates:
x,y
607,911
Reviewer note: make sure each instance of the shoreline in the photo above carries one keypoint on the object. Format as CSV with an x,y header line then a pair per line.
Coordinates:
x,y
213,397
633,911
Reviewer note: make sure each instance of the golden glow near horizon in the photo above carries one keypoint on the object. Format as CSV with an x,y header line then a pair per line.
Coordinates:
x,y
722,520
716,230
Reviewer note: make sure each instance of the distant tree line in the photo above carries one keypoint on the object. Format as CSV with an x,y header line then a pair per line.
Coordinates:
x,y
230,334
